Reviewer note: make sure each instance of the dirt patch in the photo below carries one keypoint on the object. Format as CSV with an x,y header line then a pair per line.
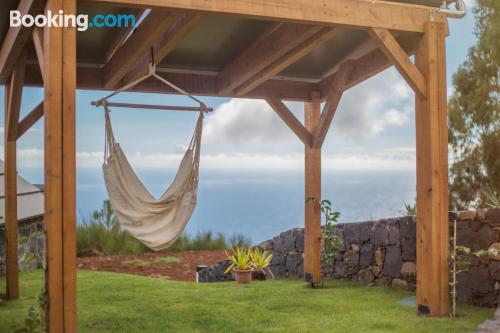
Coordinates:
x,y
171,265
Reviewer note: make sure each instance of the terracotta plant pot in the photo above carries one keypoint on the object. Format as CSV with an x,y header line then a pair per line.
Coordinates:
x,y
243,276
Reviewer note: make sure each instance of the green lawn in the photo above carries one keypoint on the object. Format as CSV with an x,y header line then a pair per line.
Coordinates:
x,y
109,302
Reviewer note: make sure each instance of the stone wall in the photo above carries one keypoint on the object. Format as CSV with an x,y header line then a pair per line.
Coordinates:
x,y
31,244
383,252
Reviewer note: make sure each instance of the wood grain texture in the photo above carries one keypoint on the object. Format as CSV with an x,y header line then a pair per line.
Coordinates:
x,y
361,13
53,57
432,177
394,52
17,38
292,122
312,232
30,119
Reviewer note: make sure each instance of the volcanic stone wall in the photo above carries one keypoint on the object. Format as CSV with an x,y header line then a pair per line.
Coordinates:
x,y
31,244
383,252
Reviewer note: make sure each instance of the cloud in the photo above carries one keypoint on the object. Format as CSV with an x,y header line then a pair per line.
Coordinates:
x,y
245,125
374,106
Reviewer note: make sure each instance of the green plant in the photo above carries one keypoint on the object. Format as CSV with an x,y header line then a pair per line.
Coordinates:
x,y
137,262
167,260
492,197
208,241
102,231
35,320
409,210
331,242
240,258
260,259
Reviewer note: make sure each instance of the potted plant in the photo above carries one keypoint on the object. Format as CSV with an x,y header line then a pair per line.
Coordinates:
x,y
241,264
260,262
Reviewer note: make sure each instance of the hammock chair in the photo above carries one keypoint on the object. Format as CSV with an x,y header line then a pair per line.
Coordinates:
x,y
157,223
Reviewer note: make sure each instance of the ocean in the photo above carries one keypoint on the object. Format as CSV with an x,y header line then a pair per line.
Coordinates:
x,y
260,205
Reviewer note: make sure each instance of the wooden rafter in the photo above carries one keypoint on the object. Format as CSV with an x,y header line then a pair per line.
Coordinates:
x,y
156,24
38,42
361,13
398,56
122,35
336,90
16,38
183,26
288,59
293,123
30,119
273,44
368,66
15,95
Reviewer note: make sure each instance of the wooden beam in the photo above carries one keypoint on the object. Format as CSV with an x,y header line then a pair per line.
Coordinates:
x,y
288,59
89,78
38,41
53,57
153,27
16,38
10,192
394,52
123,34
361,13
30,119
273,44
432,176
68,155
368,65
182,27
337,88
15,96
312,232
293,123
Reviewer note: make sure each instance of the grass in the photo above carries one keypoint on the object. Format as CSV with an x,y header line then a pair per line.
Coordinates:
x,y
109,302
167,260
145,263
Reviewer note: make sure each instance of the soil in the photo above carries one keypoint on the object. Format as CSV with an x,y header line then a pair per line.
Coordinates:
x,y
183,268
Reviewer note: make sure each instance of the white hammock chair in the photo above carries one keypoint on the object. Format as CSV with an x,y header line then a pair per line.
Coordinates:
x,y
157,223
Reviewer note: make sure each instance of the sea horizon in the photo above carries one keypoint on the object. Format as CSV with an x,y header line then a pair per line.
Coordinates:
x,y
260,205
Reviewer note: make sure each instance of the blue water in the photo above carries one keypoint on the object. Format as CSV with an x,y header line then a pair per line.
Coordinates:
x,y
260,205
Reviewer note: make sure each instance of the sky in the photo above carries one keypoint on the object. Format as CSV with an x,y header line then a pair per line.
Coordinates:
x,y
373,129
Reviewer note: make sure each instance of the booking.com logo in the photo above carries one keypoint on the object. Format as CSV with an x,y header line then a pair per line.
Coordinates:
x,y
80,22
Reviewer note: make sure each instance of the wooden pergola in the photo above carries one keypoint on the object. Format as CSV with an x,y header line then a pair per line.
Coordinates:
x,y
310,51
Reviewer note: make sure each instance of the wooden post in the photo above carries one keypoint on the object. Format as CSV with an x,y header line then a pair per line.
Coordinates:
x,y
60,220
312,237
432,176
13,96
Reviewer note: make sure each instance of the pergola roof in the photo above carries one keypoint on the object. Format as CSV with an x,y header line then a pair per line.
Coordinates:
x,y
200,60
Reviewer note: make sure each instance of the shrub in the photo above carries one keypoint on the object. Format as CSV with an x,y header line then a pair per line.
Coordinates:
x,y
101,231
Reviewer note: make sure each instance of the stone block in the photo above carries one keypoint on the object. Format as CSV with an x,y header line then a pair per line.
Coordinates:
x,y
379,255
493,216
351,258
383,281
400,284
379,235
394,234
365,276
465,215
485,237
408,249
266,245
407,227
409,271
496,247
494,270
356,232
366,257
299,239
392,262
